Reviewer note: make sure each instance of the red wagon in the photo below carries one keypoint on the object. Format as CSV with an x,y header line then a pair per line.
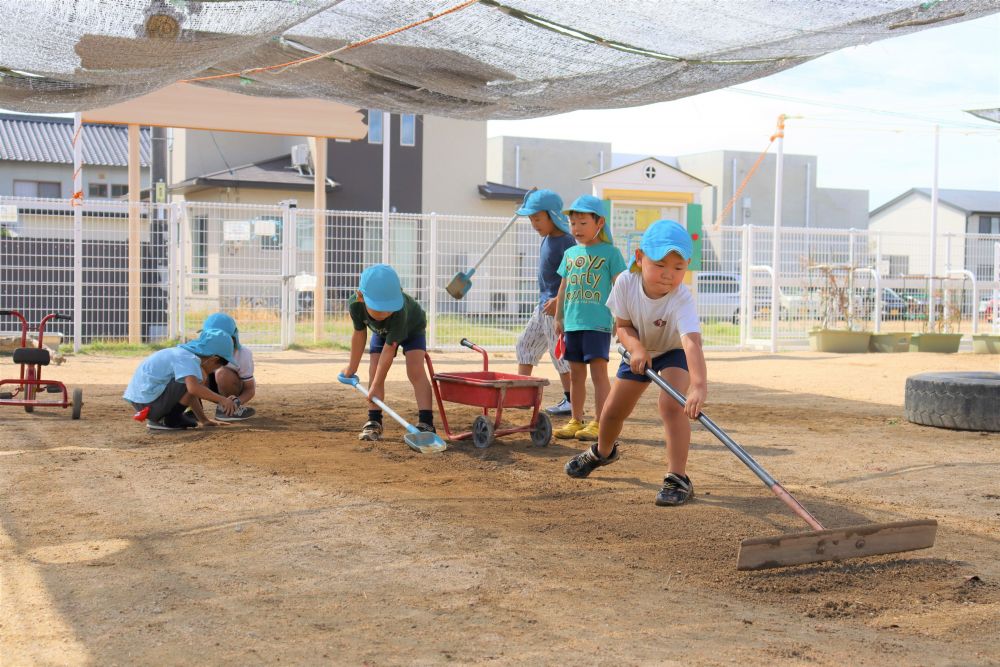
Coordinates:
x,y
24,391
492,391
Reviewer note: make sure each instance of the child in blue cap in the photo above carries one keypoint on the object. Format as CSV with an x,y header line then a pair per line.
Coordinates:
x,y
588,271
396,320
544,211
657,322
235,379
170,380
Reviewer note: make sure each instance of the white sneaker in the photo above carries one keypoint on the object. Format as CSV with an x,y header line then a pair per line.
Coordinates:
x,y
561,408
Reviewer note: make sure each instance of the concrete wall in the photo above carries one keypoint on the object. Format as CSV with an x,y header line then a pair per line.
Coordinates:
x,y
803,204
555,164
906,231
11,171
199,152
454,165
251,196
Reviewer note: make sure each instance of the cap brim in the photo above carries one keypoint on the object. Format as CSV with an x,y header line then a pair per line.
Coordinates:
x,y
657,253
527,211
386,306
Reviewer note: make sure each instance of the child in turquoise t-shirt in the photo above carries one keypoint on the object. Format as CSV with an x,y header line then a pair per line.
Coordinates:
x,y
588,271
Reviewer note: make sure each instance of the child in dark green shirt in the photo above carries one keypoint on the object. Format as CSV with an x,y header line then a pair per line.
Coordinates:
x,y
396,320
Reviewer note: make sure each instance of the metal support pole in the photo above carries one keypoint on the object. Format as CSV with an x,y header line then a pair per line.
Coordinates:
x,y
134,238
779,175
386,181
996,288
432,284
319,236
934,216
77,231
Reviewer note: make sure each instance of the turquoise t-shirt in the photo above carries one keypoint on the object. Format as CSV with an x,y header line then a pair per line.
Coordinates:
x,y
588,271
158,370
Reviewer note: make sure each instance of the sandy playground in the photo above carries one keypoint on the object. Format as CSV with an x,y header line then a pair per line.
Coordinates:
x,y
286,540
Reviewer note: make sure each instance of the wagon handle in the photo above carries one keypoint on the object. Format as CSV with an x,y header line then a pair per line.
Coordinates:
x,y
465,342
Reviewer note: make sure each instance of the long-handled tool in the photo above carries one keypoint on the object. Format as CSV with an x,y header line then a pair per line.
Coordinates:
x,y
462,282
819,544
417,440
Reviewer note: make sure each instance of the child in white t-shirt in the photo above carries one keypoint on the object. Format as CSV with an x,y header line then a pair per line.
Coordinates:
x,y
235,379
656,321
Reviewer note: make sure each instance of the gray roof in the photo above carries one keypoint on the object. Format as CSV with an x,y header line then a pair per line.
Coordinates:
x,y
967,201
274,173
50,139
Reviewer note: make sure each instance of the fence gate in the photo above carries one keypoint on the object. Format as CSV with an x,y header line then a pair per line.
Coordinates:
x,y
239,259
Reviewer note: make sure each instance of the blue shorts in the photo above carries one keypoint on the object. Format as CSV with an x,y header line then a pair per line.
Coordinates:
x,y
585,346
670,359
415,342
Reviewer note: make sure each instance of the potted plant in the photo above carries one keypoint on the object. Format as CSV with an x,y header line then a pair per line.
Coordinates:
x,y
943,336
988,343
836,309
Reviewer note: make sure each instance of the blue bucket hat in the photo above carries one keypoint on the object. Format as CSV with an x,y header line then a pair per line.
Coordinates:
x,y
663,237
537,201
225,323
595,205
381,289
212,342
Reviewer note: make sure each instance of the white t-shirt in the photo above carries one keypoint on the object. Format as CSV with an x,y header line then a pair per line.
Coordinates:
x,y
242,363
659,322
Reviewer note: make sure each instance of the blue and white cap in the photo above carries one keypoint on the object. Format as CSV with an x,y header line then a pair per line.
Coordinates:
x,y
212,342
663,237
597,206
381,288
537,201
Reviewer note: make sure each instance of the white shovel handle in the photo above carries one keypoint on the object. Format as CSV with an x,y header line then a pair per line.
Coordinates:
x,y
503,231
356,383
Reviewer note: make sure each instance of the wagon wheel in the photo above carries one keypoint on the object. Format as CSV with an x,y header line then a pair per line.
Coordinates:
x,y
29,389
541,435
482,432
77,402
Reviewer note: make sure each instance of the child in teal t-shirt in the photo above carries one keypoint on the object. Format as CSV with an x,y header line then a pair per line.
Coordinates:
x,y
588,271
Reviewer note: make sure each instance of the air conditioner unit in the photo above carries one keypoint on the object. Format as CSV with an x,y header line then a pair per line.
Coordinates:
x,y
300,155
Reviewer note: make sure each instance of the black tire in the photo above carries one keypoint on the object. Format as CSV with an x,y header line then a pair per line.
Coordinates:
x,y
541,435
482,432
960,401
77,402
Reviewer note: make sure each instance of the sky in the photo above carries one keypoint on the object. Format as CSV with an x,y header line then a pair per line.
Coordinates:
x,y
867,112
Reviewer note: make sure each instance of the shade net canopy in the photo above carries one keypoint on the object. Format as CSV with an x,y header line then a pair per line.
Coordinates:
x,y
489,59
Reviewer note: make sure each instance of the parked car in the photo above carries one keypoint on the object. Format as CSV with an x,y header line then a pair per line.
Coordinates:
x,y
718,297
894,306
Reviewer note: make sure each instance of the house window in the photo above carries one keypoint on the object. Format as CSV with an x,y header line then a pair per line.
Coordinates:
x,y
119,190
899,265
989,224
407,130
199,254
374,126
97,190
46,189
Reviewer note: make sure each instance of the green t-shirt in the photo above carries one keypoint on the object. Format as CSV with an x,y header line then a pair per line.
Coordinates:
x,y
588,271
396,328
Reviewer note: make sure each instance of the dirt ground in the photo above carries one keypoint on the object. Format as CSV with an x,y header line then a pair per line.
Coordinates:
x,y
286,540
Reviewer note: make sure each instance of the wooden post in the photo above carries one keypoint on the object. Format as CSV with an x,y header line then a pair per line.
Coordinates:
x,y
134,238
319,235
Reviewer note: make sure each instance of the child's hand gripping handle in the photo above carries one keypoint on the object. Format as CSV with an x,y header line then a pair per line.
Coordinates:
x,y
352,380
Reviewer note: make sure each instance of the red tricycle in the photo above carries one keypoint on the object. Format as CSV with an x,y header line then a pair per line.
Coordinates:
x,y
24,391
489,390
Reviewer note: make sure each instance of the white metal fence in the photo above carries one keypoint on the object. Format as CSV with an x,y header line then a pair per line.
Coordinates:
x,y
257,262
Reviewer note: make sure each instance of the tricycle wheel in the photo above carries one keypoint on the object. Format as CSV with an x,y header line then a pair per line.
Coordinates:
x,y
77,402
29,408
541,435
482,432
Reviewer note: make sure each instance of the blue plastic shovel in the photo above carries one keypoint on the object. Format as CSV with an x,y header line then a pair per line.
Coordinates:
x,y
417,440
462,281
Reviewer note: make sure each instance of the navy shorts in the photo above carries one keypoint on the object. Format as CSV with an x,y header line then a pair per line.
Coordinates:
x,y
670,359
166,402
414,342
585,346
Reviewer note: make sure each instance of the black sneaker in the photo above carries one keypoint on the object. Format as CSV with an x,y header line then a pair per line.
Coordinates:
x,y
675,491
182,420
424,427
584,463
372,430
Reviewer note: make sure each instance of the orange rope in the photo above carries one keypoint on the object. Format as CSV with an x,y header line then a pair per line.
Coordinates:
x,y
348,47
778,133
